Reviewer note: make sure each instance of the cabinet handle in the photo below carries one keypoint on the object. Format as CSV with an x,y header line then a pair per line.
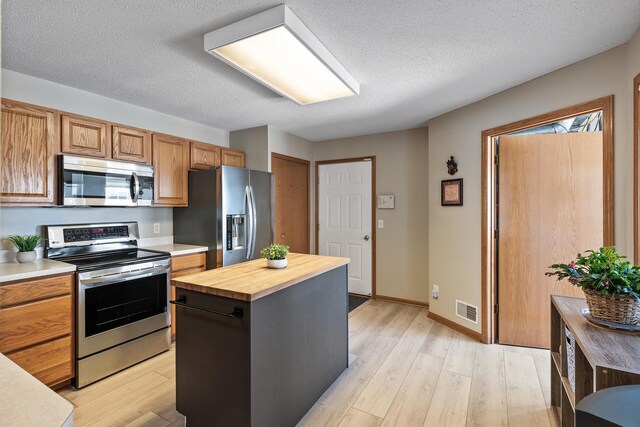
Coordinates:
x,y
182,302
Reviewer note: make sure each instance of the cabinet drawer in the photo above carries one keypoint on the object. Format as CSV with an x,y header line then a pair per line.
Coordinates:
x,y
188,262
33,323
34,290
50,362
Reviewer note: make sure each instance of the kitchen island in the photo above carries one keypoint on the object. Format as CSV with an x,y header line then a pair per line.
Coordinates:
x,y
257,346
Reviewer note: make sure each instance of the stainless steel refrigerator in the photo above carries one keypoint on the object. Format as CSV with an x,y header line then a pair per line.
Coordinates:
x,y
231,210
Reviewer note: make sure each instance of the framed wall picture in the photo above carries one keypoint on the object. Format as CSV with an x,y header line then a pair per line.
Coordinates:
x,y
451,192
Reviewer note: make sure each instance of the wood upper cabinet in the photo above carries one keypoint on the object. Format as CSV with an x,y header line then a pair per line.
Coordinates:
x,y
133,145
36,326
29,141
204,156
85,136
171,175
231,157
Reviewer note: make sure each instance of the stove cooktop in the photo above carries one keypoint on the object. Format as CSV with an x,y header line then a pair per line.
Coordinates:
x,y
112,259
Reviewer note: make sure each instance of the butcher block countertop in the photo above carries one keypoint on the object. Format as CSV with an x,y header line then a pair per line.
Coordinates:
x,y
252,280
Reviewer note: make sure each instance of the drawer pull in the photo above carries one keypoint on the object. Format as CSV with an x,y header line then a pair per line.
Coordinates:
x,y
182,302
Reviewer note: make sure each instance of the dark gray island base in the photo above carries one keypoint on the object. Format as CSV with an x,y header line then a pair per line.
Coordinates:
x,y
268,367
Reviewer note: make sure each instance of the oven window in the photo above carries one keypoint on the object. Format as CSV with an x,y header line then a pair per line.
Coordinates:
x,y
96,185
111,306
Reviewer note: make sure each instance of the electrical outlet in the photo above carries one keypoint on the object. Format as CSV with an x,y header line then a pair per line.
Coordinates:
x,y
436,291
156,228
381,223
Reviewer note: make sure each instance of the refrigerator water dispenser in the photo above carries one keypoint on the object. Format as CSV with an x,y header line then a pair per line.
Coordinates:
x,y
236,232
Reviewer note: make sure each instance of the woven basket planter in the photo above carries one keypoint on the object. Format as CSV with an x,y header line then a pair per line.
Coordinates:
x,y
622,309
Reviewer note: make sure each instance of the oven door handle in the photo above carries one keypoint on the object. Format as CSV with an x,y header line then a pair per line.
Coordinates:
x,y
182,302
123,277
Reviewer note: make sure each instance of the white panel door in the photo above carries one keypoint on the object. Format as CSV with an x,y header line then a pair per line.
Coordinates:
x,y
344,219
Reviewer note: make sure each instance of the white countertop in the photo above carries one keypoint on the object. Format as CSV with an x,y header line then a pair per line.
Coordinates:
x,y
177,249
10,271
25,401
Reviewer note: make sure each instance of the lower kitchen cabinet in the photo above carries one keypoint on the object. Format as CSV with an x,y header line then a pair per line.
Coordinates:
x,y
182,266
36,326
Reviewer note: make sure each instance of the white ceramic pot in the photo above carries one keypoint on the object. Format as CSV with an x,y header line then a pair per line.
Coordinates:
x,y
277,263
25,257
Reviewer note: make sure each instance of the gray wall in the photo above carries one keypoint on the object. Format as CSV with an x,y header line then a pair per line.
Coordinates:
x,y
401,169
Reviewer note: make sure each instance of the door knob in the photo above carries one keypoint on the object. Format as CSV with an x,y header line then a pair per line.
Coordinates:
x,y
366,237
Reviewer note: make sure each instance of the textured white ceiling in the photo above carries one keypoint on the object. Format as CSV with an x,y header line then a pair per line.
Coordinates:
x,y
414,59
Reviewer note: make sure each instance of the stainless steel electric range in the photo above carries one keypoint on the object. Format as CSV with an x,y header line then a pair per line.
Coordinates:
x,y
122,294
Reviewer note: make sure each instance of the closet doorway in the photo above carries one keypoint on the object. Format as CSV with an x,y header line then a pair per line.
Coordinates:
x,y
549,196
292,202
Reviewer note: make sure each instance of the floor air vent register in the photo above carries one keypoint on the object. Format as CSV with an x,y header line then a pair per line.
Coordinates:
x,y
467,311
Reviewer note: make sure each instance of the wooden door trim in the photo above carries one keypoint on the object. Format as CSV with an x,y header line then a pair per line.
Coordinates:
x,y
275,155
636,166
488,246
372,159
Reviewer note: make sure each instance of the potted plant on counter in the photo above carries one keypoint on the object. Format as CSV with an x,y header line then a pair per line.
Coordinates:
x,y
26,246
611,285
276,255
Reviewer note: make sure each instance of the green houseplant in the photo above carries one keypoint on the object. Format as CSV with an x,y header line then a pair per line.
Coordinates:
x,y
611,285
26,246
276,255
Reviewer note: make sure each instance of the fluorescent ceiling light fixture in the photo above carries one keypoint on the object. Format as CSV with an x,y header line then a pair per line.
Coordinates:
x,y
276,49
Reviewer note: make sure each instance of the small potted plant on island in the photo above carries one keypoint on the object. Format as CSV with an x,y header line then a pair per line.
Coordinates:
x,y
611,285
276,255
26,246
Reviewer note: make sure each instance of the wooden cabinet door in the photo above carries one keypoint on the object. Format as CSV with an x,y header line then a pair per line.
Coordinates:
x,y
132,145
171,162
231,157
85,136
204,156
29,140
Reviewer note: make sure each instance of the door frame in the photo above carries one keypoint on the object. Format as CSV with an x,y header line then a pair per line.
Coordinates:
x,y
307,163
636,173
488,185
372,159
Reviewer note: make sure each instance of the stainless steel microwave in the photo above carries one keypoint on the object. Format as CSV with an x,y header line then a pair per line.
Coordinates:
x,y
97,182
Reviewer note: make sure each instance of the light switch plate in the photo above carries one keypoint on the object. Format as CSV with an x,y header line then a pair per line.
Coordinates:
x,y
381,223
156,227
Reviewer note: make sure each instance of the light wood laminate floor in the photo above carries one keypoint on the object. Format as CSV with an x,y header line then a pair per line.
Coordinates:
x,y
405,370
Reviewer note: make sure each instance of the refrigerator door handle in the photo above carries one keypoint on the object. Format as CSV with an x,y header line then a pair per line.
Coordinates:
x,y
254,222
248,197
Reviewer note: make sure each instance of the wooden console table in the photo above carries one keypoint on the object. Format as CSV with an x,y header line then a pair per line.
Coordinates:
x,y
603,357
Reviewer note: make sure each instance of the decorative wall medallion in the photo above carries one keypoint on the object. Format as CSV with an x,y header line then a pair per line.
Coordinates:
x,y
452,166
